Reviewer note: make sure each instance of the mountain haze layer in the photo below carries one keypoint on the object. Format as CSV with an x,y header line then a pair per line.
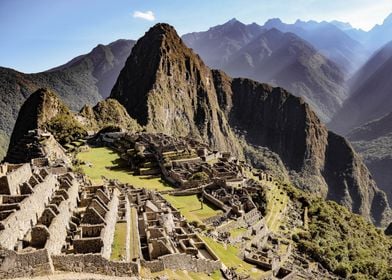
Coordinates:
x,y
177,94
371,93
269,55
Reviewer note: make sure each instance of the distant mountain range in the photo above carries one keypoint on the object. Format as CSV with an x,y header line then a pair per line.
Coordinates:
x,y
266,54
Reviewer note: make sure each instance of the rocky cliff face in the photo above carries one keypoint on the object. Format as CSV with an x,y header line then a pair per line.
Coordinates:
x,y
319,160
167,88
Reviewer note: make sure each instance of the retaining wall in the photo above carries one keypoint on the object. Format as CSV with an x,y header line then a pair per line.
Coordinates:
x,y
94,263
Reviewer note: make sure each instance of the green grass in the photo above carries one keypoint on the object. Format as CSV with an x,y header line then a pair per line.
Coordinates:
x,y
184,275
102,158
119,241
134,244
229,257
237,232
189,206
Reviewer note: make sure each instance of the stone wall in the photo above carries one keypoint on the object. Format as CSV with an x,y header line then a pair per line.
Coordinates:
x,y
153,266
94,263
182,262
189,263
231,224
215,201
35,263
59,225
9,184
128,221
32,207
252,216
107,233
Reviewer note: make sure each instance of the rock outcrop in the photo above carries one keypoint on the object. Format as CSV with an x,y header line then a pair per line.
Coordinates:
x,y
167,88
37,112
44,111
108,112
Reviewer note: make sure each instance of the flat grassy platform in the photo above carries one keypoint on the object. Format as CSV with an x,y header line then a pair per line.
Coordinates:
x,y
119,241
229,257
277,202
183,275
134,244
189,206
106,162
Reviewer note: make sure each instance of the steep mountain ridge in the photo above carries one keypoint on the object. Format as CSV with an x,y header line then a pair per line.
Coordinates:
x,y
177,94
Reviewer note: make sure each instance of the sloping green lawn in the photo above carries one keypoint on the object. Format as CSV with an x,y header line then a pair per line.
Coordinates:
x,y
106,162
190,207
119,242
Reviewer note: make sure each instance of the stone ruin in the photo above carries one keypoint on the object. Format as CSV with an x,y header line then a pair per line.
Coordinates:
x,y
34,144
52,219
177,160
166,238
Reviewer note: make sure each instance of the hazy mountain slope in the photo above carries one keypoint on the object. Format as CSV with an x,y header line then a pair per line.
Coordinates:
x,y
286,60
179,95
370,67
380,34
372,130
104,63
356,33
216,45
332,42
374,142
371,99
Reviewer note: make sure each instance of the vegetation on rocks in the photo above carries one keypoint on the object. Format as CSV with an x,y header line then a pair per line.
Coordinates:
x,y
65,129
343,242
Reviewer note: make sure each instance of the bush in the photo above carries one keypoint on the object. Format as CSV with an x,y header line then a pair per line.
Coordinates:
x,y
199,176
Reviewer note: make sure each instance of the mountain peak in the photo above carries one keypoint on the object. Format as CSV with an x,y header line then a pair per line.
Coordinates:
x,y
273,22
161,28
388,19
233,20
39,108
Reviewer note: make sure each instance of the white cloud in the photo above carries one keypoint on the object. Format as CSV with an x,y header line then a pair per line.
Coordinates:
x,y
148,15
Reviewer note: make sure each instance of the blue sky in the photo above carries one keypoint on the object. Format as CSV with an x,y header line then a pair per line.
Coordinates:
x,y
39,34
